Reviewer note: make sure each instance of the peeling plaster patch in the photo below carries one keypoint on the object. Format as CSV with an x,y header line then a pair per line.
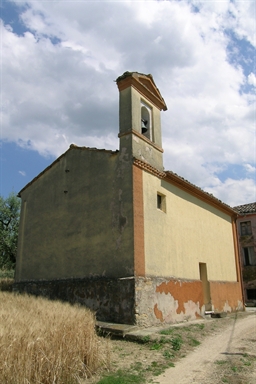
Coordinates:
x,y
192,310
162,300
227,307
169,301
183,292
166,307
240,306
225,295
158,314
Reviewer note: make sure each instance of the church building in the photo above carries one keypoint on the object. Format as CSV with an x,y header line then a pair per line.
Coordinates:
x,y
114,231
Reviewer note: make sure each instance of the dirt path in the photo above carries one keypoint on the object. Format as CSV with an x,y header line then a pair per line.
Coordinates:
x,y
226,357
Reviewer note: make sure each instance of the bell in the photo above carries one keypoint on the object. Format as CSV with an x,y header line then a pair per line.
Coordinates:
x,y
144,126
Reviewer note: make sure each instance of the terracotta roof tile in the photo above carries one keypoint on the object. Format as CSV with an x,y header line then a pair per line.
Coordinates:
x,y
246,208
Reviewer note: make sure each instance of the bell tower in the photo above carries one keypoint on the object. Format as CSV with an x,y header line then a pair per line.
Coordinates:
x,y
140,104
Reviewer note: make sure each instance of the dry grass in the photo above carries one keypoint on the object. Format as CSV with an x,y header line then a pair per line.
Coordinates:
x,y
47,342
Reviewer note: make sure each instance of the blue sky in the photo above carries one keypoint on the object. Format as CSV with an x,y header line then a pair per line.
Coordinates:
x,y
59,60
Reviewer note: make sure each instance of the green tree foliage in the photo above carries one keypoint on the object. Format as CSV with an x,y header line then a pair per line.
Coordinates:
x,y
9,224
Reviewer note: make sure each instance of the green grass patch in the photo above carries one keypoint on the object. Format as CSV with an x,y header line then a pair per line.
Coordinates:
x,y
145,339
176,343
122,377
194,342
168,355
167,332
156,346
221,362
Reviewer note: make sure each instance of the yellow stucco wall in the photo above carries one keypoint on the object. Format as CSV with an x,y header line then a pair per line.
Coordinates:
x,y
188,233
77,219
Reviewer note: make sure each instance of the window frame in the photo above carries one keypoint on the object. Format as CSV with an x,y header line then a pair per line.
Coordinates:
x,y
249,256
161,202
245,228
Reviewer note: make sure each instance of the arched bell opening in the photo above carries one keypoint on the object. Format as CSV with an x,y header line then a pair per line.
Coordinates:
x,y
146,122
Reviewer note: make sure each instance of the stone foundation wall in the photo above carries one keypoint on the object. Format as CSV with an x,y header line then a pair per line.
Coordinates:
x,y
112,300
142,300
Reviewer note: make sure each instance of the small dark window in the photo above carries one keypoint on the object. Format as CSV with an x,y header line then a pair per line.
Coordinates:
x,y
251,294
246,228
161,202
249,256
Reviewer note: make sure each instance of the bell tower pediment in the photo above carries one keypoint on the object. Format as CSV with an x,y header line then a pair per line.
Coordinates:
x,y
144,84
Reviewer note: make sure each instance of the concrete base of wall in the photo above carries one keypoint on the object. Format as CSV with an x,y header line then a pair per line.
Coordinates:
x,y
143,301
112,300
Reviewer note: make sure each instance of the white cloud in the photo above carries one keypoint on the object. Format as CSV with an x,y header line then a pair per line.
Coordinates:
x,y
22,173
250,169
58,78
235,192
252,79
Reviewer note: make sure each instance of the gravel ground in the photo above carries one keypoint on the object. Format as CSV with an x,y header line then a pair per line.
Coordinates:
x,y
228,356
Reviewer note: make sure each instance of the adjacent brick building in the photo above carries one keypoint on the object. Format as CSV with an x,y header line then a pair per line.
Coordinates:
x,y
246,228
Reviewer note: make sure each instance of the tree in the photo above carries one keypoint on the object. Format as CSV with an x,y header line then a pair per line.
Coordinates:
x,y
9,225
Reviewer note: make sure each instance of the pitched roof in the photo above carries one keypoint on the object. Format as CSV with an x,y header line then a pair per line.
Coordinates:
x,y
72,146
188,187
198,192
246,208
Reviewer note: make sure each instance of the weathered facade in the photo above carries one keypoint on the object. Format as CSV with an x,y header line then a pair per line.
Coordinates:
x,y
246,229
117,233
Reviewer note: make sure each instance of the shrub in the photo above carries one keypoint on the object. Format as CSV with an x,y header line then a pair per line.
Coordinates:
x,y
6,284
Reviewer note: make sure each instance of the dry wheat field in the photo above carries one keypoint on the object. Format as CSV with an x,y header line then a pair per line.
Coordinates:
x,y
47,342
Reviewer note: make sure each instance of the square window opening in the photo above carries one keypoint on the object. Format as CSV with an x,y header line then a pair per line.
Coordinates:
x,y
245,228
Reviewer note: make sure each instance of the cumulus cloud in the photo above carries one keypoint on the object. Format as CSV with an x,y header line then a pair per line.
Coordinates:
x,y
252,79
250,169
235,192
58,80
